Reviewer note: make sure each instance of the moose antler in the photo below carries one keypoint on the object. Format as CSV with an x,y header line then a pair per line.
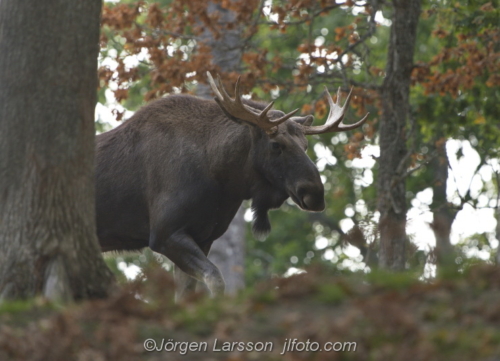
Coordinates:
x,y
334,121
236,108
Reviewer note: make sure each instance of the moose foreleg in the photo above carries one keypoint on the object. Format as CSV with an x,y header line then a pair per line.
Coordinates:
x,y
183,251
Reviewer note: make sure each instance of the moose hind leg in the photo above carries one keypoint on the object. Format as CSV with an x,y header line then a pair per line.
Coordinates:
x,y
184,284
185,253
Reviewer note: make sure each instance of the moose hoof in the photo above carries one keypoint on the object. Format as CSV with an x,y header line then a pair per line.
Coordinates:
x,y
215,283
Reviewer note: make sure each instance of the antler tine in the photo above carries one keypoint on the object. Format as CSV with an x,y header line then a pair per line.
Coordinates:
x,y
336,115
237,91
285,117
225,95
213,86
266,109
236,108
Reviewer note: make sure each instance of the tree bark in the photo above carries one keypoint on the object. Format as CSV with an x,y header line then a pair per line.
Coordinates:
x,y
393,152
497,232
443,216
227,252
497,217
48,82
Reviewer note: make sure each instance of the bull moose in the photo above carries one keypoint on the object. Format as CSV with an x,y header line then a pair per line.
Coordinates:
x,y
173,176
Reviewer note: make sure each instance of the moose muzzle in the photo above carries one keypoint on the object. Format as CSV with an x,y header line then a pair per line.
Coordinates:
x,y
309,196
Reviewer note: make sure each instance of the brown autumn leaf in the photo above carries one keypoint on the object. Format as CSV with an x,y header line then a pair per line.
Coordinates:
x,y
487,7
493,80
306,109
353,38
340,33
320,109
155,16
118,114
120,94
358,137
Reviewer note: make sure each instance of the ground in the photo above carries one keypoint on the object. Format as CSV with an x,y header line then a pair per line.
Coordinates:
x,y
387,316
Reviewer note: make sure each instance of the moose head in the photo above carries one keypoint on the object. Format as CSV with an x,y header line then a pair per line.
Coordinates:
x,y
279,149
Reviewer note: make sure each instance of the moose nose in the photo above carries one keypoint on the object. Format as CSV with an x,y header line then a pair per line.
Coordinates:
x,y
311,196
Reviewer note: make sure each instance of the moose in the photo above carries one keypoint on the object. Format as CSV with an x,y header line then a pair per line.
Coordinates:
x,y
173,176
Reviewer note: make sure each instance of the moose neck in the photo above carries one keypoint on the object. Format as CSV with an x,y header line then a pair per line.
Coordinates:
x,y
230,147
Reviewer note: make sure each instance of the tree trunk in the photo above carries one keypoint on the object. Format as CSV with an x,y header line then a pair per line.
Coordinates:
x,y
228,252
443,216
497,231
48,82
497,216
393,152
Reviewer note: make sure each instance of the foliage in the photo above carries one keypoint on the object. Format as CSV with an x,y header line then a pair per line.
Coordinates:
x,y
291,49
454,96
455,318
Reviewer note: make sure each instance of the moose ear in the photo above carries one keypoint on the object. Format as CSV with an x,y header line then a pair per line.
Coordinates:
x,y
305,121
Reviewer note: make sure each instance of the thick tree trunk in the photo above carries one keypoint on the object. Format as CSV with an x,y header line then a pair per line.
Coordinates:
x,y
443,216
228,252
48,81
393,152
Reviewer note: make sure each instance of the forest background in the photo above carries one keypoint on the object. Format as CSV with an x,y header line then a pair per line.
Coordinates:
x,y
402,262
444,185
